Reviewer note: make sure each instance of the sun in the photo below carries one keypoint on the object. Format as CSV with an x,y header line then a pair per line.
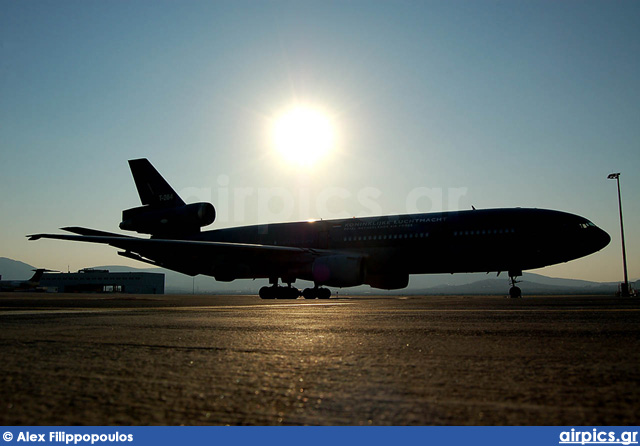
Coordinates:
x,y
303,136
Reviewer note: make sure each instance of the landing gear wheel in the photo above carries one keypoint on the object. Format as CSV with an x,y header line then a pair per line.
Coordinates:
x,y
278,292
309,293
316,293
267,292
515,292
289,293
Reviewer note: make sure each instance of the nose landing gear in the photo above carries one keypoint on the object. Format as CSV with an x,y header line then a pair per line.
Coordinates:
x,y
514,292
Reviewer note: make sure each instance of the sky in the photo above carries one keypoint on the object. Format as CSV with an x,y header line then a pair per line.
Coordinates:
x,y
434,106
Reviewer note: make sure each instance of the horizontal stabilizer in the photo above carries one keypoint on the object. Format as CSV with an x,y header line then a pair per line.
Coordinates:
x,y
86,231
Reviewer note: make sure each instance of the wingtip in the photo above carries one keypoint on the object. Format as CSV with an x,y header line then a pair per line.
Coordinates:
x,y
137,161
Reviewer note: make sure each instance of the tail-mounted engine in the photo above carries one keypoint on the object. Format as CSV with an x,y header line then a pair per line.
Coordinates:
x,y
174,221
164,213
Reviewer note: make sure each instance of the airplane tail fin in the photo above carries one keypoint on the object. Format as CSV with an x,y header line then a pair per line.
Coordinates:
x,y
38,274
163,213
152,188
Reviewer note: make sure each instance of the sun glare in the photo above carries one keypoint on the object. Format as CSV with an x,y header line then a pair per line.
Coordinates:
x,y
303,136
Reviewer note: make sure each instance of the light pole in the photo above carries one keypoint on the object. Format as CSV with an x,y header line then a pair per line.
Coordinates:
x,y
624,291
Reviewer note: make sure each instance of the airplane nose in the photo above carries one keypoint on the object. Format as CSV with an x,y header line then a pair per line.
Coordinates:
x,y
602,239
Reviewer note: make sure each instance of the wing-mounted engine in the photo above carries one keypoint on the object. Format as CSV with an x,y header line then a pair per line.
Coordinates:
x,y
174,221
338,270
388,281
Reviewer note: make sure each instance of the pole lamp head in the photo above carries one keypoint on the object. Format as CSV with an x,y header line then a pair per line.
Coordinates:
x,y
614,176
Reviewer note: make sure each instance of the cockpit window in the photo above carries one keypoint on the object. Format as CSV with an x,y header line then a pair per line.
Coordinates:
x,y
586,225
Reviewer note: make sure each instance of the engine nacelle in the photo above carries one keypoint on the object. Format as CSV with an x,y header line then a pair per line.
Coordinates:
x,y
185,219
388,281
338,270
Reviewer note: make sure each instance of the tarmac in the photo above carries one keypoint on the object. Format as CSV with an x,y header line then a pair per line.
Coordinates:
x,y
239,360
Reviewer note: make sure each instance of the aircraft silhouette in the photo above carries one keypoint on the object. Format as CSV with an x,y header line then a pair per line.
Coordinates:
x,y
379,251
24,285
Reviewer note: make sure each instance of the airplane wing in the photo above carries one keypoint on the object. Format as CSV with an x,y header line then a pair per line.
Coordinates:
x,y
198,257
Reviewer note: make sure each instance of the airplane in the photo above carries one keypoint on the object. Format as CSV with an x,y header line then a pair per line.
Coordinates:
x,y
24,285
379,251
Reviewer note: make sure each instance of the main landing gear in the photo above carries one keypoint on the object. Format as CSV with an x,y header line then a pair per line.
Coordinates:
x,y
514,292
288,292
316,293
279,292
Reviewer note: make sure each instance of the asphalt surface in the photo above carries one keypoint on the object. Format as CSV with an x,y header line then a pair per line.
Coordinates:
x,y
104,360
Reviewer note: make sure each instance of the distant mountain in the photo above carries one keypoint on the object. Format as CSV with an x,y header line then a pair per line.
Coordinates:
x,y
15,270
445,284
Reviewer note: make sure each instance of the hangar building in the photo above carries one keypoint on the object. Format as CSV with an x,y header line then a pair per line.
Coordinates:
x,y
102,281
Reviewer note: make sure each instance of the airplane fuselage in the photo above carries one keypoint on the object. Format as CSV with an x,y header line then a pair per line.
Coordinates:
x,y
447,242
